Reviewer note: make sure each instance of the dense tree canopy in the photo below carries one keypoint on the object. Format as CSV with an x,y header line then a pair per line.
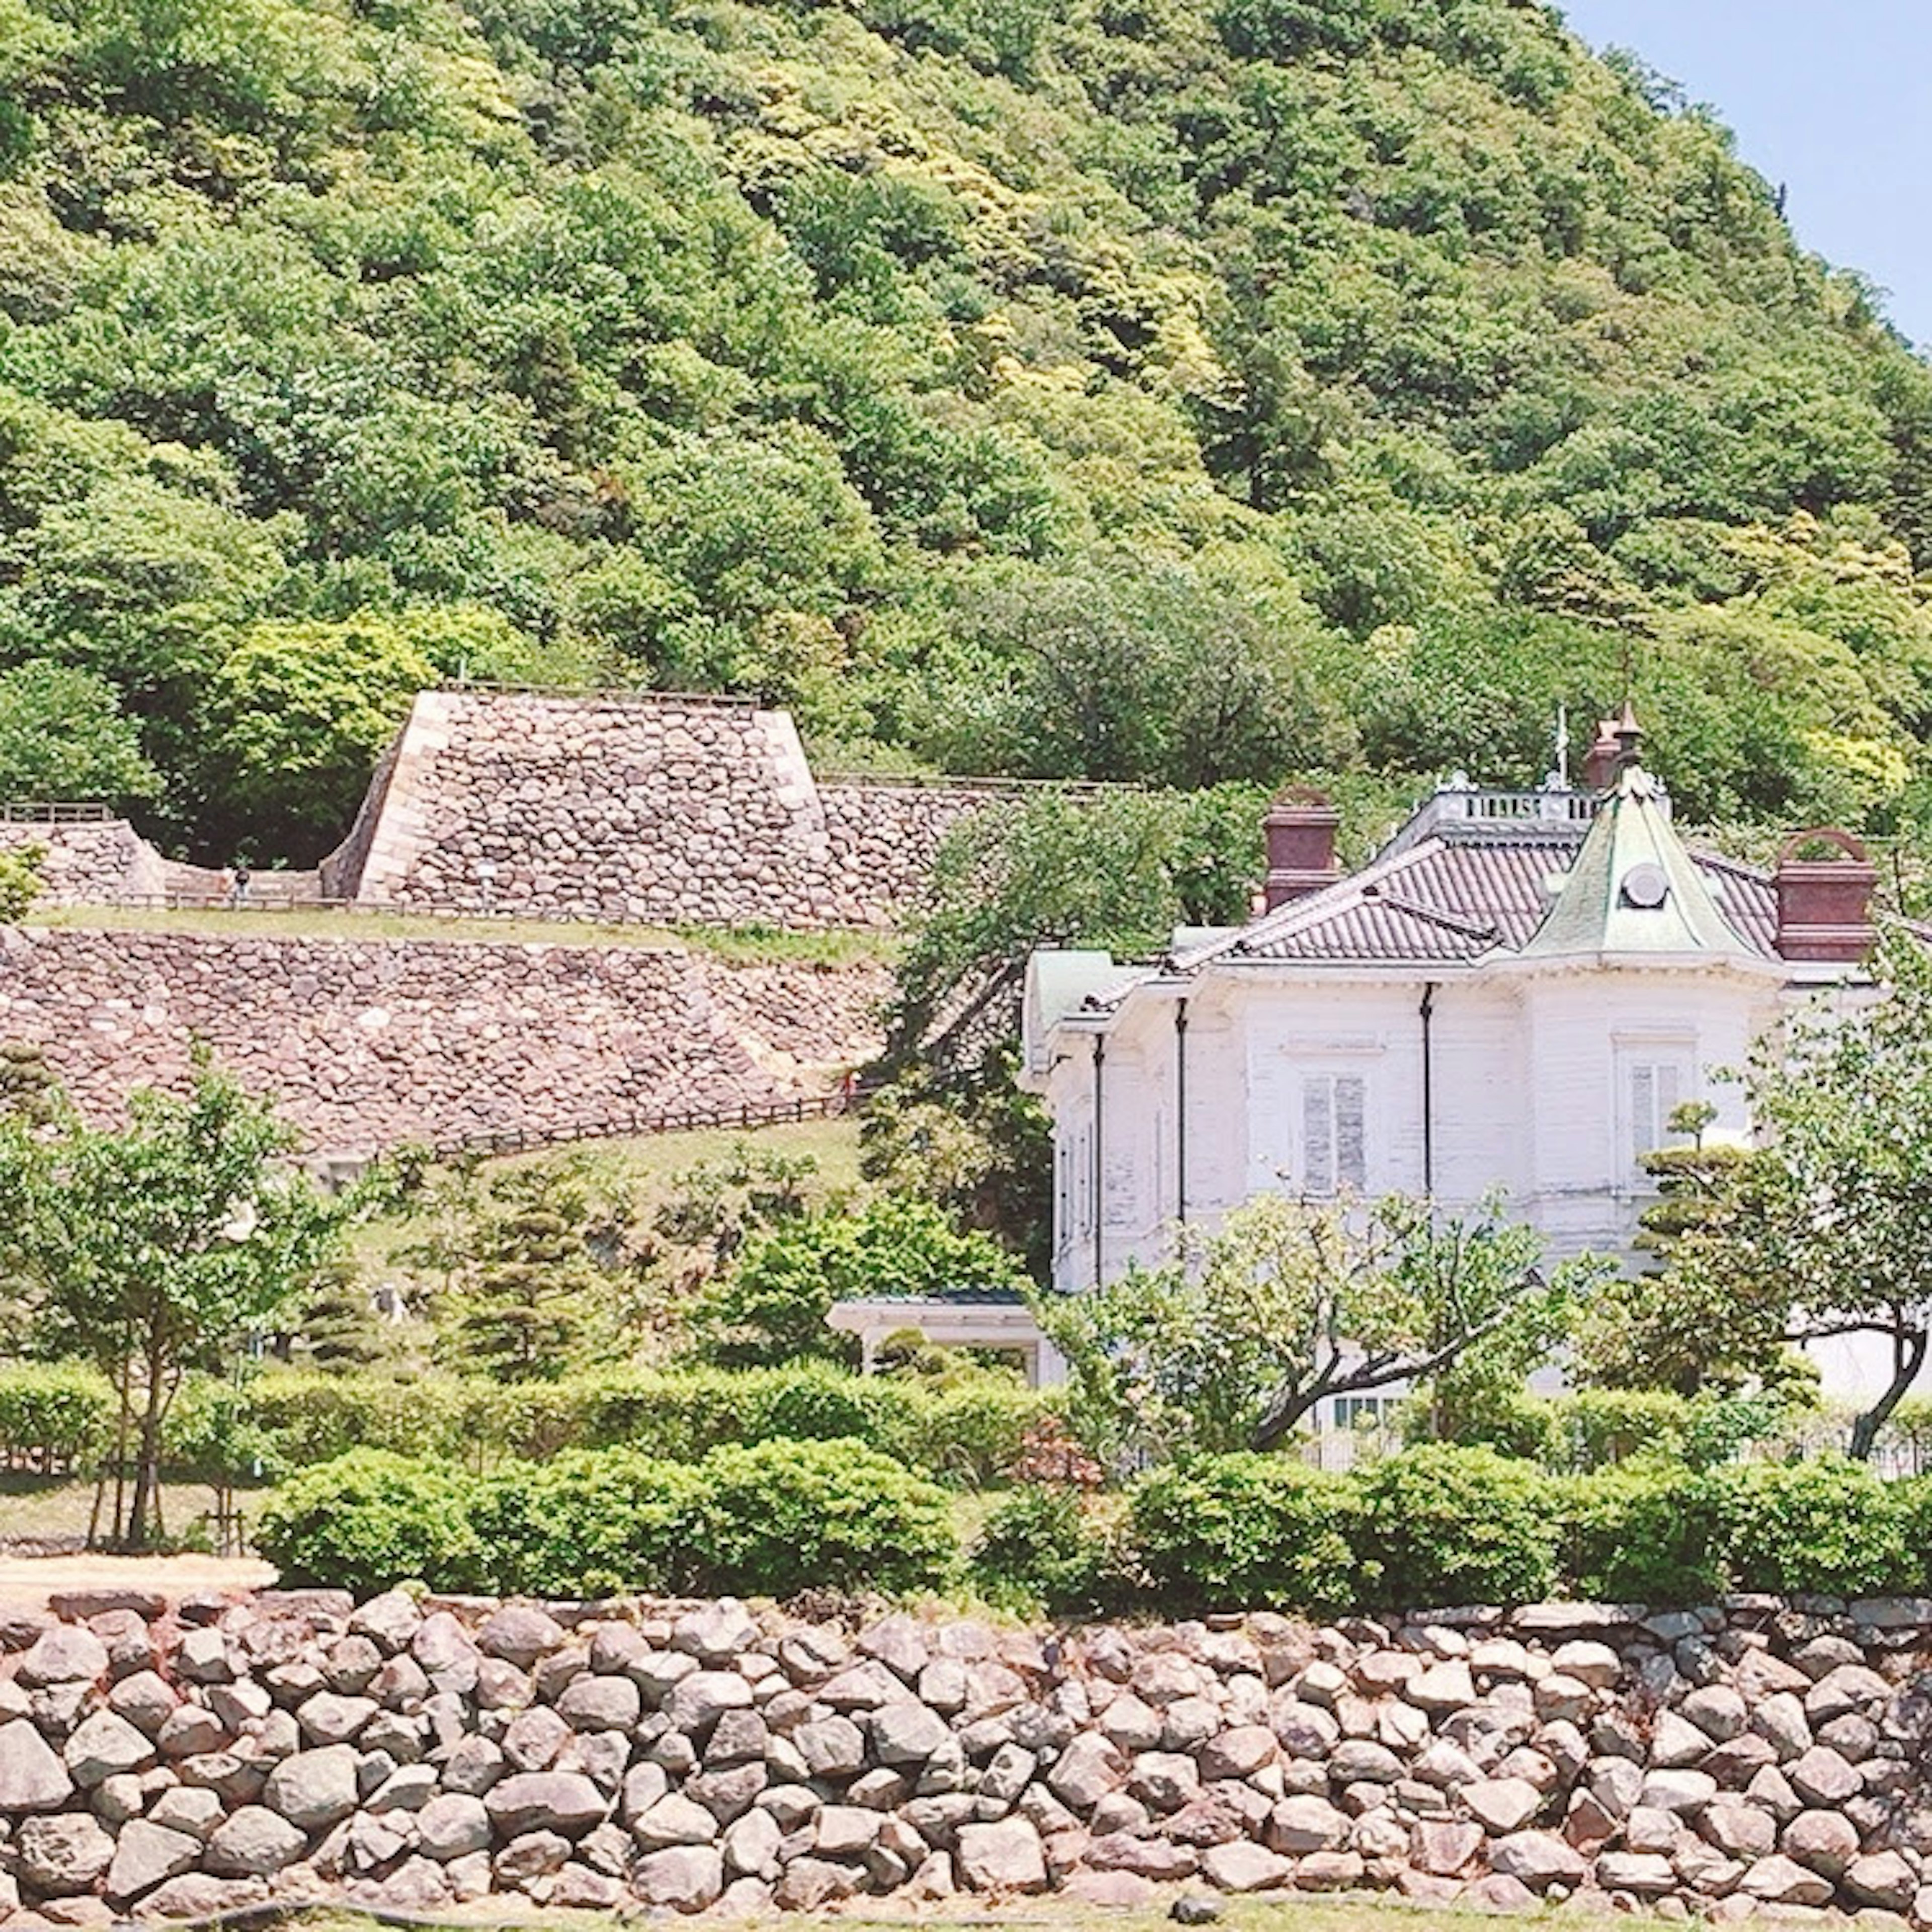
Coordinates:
x,y
1179,391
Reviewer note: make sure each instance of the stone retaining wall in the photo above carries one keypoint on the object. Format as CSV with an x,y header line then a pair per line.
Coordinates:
x,y
367,1043
415,1755
637,810
103,862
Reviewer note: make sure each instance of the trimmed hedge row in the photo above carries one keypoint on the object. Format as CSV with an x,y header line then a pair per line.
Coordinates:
x,y
1435,1525
286,1420
1440,1525
770,1519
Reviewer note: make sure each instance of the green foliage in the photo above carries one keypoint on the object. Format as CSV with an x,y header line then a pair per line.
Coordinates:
x,y
62,736
770,1305
932,365
1290,1303
20,881
778,1517
1828,1525
159,1247
770,1520
1454,1526
1038,1551
1827,1228
371,1520
1251,1532
1643,1532
967,1434
589,1524
54,1414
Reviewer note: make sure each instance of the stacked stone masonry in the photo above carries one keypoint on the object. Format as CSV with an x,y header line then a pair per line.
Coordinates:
x,y
101,863
632,810
414,1755
367,1043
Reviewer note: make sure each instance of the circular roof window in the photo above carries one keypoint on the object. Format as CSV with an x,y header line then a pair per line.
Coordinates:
x,y
1645,887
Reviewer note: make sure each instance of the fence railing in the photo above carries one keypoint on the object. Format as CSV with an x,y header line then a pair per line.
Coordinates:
x,y
57,811
716,701
638,1123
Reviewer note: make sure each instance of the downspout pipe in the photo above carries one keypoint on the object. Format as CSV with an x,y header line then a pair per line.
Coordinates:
x,y
1099,1162
1426,1011
1180,1112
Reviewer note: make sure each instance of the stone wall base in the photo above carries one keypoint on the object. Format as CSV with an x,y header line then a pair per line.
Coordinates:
x,y
175,1761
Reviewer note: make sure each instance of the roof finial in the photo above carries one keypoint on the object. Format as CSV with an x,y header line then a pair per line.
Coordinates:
x,y
1629,734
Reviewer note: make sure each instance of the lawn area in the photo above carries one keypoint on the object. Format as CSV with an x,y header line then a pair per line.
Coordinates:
x,y
54,1509
744,945
646,1164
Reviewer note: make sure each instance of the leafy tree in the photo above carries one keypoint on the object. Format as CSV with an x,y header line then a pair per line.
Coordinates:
x,y
1827,1228
770,1306
1116,870
1292,1303
525,1313
62,736
337,1329
156,1247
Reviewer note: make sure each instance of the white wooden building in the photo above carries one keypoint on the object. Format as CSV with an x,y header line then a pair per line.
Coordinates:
x,y
1513,993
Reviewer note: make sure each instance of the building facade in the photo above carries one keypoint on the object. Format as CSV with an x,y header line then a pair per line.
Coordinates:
x,y
1513,996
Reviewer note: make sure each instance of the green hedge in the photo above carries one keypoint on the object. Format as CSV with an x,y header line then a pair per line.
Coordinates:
x,y
968,1435
766,1520
1439,1525
56,1415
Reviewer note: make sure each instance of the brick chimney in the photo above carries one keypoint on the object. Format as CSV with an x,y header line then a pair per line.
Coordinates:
x,y
1301,828
1616,744
1824,905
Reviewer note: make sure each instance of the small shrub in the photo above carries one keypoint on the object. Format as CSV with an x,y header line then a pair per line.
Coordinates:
x,y
370,1519
1446,1525
1245,1532
1599,1426
54,1414
1038,1551
778,1517
588,1524
1641,1532
1828,1526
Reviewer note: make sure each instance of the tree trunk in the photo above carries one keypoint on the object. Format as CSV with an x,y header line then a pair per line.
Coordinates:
x,y
147,1469
1908,1358
1282,1414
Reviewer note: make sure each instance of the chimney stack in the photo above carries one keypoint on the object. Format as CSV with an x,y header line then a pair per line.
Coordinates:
x,y
1618,742
1301,828
1824,905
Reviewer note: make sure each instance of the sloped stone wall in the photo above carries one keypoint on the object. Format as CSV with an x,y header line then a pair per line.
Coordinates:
x,y
416,1755
367,1043
639,810
102,863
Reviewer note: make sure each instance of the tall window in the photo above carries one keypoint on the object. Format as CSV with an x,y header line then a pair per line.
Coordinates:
x,y
1334,1146
1656,1088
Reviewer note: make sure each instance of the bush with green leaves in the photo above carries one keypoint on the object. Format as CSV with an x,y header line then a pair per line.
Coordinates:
x,y
1643,1531
54,1414
1248,1531
368,1520
588,1524
775,1518
1040,1549
1446,1525
967,1433
1829,1525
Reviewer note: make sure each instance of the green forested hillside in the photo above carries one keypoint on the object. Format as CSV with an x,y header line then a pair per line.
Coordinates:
x,y
1161,389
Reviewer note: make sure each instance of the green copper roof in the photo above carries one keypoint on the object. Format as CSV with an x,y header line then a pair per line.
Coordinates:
x,y
1633,888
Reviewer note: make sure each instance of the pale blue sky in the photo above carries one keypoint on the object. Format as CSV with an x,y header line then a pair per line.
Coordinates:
x,y
1833,100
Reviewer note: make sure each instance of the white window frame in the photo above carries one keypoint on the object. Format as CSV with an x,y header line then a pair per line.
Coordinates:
x,y
1330,1096
1655,1075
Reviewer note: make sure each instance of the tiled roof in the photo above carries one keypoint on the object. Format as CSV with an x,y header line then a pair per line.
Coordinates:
x,y
1460,893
